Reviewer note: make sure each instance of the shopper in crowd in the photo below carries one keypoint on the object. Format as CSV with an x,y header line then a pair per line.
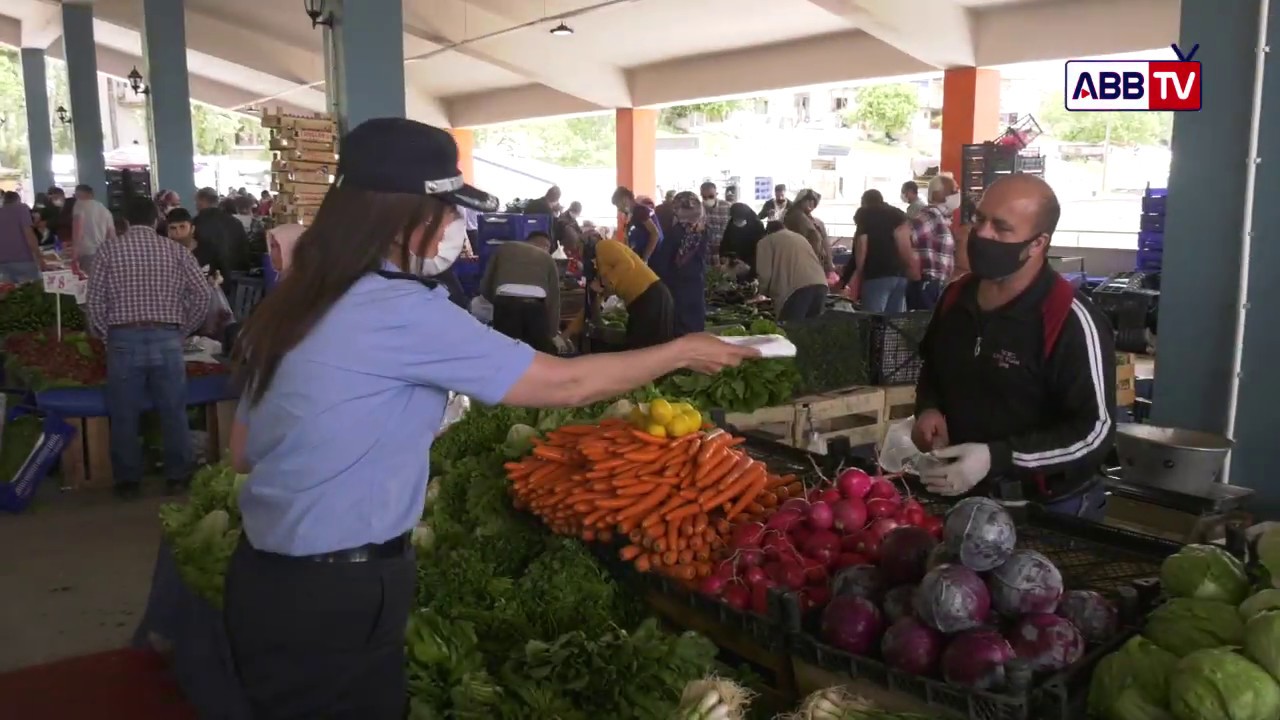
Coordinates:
x,y
568,233
548,204
799,219
911,196
932,241
221,241
281,241
471,218
180,229
45,236
716,212
791,275
255,230
91,225
20,259
1018,381
146,294
56,195
345,367
681,263
119,224
522,282
775,208
638,227
741,238
883,258
264,204
616,269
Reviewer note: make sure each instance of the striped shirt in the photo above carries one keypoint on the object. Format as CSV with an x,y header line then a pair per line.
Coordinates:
x,y
141,277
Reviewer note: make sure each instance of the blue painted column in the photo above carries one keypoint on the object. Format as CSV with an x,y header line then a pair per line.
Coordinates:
x,y
80,51
1202,251
368,59
164,46
39,127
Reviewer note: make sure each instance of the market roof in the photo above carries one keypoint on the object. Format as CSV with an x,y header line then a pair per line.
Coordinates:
x,y
476,62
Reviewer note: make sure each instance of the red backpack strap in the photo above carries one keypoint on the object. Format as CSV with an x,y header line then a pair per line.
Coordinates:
x,y
1056,308
951,293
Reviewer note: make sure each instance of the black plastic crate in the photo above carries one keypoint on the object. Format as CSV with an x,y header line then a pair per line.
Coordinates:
x,y
1151,222
895,346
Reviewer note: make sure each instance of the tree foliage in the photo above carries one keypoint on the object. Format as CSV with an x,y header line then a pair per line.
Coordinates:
x,y
886,109
670,117
585,142
1126,128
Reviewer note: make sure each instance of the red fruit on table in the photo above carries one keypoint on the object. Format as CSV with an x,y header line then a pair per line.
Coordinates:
x,y
882,508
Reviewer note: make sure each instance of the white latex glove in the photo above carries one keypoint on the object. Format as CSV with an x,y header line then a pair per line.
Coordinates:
x,y
972,462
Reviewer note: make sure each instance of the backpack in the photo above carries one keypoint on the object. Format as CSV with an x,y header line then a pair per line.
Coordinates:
x,y
1055,308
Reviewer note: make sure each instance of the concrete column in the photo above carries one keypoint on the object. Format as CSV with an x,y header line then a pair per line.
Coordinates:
x,y
368,60
637,135
970,111
164,47
39,124
1202,257
80,50
466,140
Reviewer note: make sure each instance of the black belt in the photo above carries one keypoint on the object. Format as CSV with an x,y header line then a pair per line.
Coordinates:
x,y
396,547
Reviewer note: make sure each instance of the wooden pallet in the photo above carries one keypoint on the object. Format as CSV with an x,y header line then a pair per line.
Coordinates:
x,y
278,118
776,422
855,414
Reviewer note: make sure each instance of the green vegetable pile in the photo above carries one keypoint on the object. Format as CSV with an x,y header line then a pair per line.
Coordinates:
x,y
750,386
28,308
833,352
204,530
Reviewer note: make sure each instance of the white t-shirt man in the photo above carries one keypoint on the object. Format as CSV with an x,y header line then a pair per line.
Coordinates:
x,y
93,224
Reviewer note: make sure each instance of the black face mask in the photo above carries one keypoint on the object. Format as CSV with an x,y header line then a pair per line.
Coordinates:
x,y
991,259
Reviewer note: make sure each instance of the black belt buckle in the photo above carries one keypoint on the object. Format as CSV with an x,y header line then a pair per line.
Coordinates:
x,y
394,548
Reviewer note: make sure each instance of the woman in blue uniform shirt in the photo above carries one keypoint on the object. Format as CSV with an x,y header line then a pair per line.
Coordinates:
x,y
345,368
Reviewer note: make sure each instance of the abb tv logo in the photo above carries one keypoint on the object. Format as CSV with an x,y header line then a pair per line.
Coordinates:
x,y
1112,85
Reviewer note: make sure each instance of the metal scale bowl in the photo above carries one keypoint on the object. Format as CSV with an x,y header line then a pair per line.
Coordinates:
x,y
1167,474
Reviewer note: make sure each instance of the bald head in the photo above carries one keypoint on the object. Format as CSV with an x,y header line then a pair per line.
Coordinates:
x,y
1025,201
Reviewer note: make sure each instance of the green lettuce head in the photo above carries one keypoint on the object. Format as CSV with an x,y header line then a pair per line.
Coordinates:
x,y
1205,572
1184,625
1218,684
1268,599
1262,641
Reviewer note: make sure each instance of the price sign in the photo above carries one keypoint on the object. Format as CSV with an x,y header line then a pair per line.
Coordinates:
x,y
65,282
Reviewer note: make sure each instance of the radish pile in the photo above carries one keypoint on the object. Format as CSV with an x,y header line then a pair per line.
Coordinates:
x,y
809,541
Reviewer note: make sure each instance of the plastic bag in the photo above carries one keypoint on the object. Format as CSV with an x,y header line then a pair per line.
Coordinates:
x,y
898,452
219,315
482,309
455,409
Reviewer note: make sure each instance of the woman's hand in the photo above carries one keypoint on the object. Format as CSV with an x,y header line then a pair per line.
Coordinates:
x,y
708,354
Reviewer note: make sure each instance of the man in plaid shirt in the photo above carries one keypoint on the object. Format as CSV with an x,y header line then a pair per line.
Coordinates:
x,y
146,295
931,237
716,213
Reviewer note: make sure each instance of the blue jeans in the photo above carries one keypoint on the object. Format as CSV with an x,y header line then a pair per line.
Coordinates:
x,y
19,272
145,370
924,294
1089,505
885,295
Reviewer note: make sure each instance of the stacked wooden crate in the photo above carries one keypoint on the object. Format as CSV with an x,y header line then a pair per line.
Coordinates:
x,y
306,157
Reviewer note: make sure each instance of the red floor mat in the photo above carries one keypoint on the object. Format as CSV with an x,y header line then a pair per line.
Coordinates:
x,y
117,685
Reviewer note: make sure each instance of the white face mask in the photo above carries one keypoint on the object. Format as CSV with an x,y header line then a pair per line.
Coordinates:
x,y
740,223
709,202
952,203
451,244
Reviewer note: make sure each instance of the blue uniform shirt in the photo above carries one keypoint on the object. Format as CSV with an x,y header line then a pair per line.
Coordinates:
x,y
340,442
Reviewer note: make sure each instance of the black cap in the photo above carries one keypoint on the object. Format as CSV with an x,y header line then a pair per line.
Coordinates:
x,y
397,155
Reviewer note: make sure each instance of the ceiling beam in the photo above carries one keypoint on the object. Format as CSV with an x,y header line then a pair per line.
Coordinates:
x,y
41,26
936,32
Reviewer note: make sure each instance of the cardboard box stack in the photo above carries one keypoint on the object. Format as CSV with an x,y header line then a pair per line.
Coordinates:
x,y
306,157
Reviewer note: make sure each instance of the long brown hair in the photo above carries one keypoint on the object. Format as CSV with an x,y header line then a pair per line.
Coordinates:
x,y
353,232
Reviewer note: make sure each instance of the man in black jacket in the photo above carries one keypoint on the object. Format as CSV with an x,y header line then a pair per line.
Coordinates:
x,y
1017,390
221,240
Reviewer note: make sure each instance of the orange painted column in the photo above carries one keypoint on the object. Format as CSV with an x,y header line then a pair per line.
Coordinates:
x,y
637,134
466,140
970,112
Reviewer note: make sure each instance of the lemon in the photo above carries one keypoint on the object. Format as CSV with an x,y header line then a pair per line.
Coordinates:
x,y
661,412
679,426
683,408
656,430
638,418
694,418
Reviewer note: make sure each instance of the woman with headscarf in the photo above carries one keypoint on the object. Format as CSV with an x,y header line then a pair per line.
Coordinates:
x,y
741,236
791,275
799,219
681,263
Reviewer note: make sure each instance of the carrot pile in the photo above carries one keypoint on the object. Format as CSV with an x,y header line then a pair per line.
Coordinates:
x,y
675,500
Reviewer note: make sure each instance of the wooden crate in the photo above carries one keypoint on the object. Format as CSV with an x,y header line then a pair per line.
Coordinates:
x,y
899,403
811,678
776,422
1126,380
855,414
278,118
218,418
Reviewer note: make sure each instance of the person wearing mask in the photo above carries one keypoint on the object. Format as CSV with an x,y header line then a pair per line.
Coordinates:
x,y
255,230
221,240
665,213
339,392
934,246
146,294
568,233
45,236
639,228
522,282
799,219
180,228
883,258
681,263
775,208
741,238
731,194
716,214
791,275
911,196
548,204
91,225
20,258
1017,388
615,269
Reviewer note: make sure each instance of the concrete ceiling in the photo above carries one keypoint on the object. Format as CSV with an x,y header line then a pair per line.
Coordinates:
x,y
476,62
